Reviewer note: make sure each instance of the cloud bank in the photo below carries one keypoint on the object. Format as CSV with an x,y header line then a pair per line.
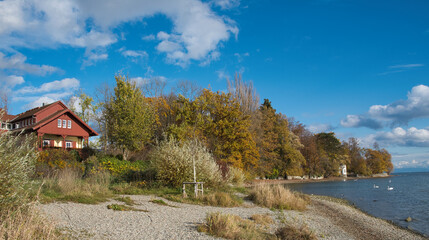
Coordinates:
x,y
196,35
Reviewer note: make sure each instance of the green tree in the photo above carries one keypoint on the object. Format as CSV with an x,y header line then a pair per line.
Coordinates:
x,y
332,153
130,118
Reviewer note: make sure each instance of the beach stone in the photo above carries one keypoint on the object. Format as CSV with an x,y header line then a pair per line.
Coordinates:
x,y
408,219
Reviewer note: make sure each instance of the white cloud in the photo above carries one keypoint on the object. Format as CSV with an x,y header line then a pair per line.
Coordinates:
x,y
355,121
11,81
411,137
196,35
150,37
17,63
64,84
317,128
134,54
397,113
226,4
140,81
407,66
402,111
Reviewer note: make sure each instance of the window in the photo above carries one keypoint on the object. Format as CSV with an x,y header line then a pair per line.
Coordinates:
x,y
46,143
59,123
69,145
64,123
69,124
17,125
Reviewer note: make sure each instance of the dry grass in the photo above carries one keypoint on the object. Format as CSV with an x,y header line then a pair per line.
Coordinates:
x,y
277,196
288,232
232,227
26,224
221,199
67,185
262,219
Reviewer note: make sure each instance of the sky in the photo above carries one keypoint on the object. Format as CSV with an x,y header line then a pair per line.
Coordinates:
x,y
359,68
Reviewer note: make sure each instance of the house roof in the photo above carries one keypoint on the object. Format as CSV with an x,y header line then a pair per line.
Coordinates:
x,y
50,118
33,111
5,117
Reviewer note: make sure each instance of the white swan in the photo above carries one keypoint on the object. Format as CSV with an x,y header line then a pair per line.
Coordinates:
x,y
389,188
375,186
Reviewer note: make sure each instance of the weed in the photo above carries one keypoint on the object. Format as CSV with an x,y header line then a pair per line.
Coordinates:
x,y
119,207
262,219
127,200
278,197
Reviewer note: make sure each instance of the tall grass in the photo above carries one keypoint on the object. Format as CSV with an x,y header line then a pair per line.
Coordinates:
x,y
68,185
277,196
18,217
25,223
233,227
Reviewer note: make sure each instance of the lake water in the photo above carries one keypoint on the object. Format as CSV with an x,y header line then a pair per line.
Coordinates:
x,y
409,197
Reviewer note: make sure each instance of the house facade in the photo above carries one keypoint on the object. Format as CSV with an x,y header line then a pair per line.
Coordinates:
x,y
55,125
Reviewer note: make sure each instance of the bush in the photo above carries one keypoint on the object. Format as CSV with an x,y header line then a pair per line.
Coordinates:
x,y
232,227
235,176
17,159
124,170
174,165
51,161
221,199
288,232
277,196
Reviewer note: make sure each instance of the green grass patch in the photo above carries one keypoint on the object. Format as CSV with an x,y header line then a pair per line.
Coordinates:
x,y
120,207
127,200
161,202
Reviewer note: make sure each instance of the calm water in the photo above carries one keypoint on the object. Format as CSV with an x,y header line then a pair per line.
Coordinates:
x,y
409,197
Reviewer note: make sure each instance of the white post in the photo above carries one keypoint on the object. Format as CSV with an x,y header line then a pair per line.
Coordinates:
x,y
195,178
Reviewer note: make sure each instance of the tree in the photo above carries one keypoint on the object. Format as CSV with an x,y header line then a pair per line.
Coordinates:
x,y
216,119
379,160
356,159
331,152
279,148
130,118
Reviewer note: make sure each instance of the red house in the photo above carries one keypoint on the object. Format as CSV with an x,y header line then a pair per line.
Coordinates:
x,y
56,126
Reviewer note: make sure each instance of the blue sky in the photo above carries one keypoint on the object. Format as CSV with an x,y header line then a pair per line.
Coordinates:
x,y
359,68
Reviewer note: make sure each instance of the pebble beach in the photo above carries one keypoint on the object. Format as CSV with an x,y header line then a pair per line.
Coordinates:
x,y
326,218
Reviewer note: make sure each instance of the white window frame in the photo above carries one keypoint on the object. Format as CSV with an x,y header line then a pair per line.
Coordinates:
x,y
69,144
64,123
69,124
59,123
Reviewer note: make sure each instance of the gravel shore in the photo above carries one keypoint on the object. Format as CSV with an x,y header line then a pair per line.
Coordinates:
x,y
326,219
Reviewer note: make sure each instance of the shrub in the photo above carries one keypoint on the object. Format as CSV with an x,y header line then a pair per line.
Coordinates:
x,y
262,219
17,158
288,232
174,165
125,170
232,227
235,176
277,196
53,160
221,199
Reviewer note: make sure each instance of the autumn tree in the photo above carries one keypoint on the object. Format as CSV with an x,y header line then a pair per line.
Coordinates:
x,y
309,150
356,158
279,148
378,160
130,118
216,119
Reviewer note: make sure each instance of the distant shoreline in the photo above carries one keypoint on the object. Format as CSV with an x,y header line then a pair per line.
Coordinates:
x,y
330,179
